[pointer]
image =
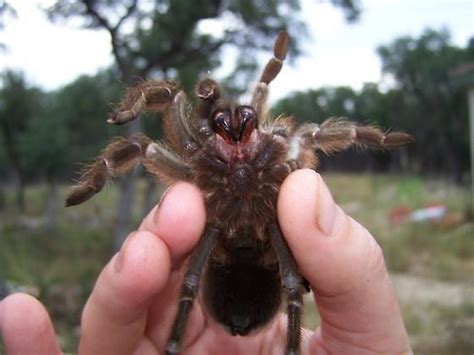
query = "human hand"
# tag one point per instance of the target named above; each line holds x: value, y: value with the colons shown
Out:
x: 133, y: 303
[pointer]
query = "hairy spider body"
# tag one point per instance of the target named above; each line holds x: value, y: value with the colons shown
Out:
x: 238, y: 157
x: 243, y: 262
x: 248, y: 183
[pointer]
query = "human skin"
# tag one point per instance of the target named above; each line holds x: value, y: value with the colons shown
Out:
x: 132, y: 305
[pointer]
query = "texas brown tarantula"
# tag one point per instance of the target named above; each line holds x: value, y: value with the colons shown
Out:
x: 238, y: 157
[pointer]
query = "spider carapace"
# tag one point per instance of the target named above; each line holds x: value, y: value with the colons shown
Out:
x: 238, y: 156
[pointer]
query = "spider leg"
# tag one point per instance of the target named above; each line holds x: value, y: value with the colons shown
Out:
x: 165, y: 164
x: 178, y: 130
x: 121, y: 156
x: 150, y: 95
x: 190, y: 288
x: 273, y: 67
x: 280, y: 171
x: 163, y: 97
x: 335, y: 135
x: 294, y: 285
x: 208, y: 91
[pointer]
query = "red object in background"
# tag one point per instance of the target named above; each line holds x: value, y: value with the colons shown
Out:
x: 399, y: 214
x: 434, y: 212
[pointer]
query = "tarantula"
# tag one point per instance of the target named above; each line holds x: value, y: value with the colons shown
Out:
x: 238, y: 156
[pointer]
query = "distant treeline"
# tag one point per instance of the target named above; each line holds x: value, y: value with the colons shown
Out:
x: 424, y: 99
x: 45, y: 135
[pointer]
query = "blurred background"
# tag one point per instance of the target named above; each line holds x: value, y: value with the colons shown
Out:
x: 401, y: 64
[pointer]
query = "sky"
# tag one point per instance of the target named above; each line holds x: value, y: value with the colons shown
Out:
x: 336, y: 53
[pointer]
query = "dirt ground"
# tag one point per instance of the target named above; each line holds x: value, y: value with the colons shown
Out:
x: 439, y: 314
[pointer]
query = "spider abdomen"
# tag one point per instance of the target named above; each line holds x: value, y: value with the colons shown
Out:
x: 247, y: 298
x: 248, y: 294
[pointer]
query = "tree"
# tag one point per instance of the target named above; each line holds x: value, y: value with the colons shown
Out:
x: 76, y: 129
x: 82, y: 106
x: 431, y: 106
x: 43, y: 147
x: 6, y: 11
x: 321, y: 104
x: 18, y: 104
x: 58, y: 130
x: 3, y: 168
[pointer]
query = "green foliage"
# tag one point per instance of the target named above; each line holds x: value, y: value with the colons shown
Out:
x: 82, y: 108
x: 45, y: 133
x: 433, y: 107
x: 44, y: 143
x: 17, y: 105
x: 317, y: 105
x: 351, y: 8
x: 6, y: 11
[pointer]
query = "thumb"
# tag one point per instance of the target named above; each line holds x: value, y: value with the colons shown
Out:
x: 344, y: 266
x: 333, y: 251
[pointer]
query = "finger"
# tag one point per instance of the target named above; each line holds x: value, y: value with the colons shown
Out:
x: 115, y: 315
x: 26, y: 327
x: 344, y: 266
x: 321, y: 236
x: 178, y: 220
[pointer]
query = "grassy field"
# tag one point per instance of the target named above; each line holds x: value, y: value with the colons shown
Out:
x: 432, y: 265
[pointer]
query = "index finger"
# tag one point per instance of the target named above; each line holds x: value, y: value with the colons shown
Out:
x: 115, y: 315
x: 178, y: 220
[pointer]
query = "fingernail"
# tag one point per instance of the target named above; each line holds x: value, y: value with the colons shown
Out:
x: 120, y: 256
x: 162, y: 200
x: 328, y: 210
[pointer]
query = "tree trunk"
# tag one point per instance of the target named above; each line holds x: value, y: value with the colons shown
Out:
x: 20, y: 191
x: 2, y: 198
x: 126, y: 199
x: 404, y: 160
x: 52, y: 203
x: 3, y: 288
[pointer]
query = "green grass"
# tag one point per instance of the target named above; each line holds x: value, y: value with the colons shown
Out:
x: 424, y: 249
x: 60, y: 266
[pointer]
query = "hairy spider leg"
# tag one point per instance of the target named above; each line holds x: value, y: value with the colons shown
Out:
x: 178, y: 129
x: 294, y: 287
x: 273, y: 67
x: 119, y: 156
x: 122, y: 155
x: 208, y: 92
x: 335, y: 135
x: 162, y: 97
x: 149, y: 95
x: 190, y: 287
